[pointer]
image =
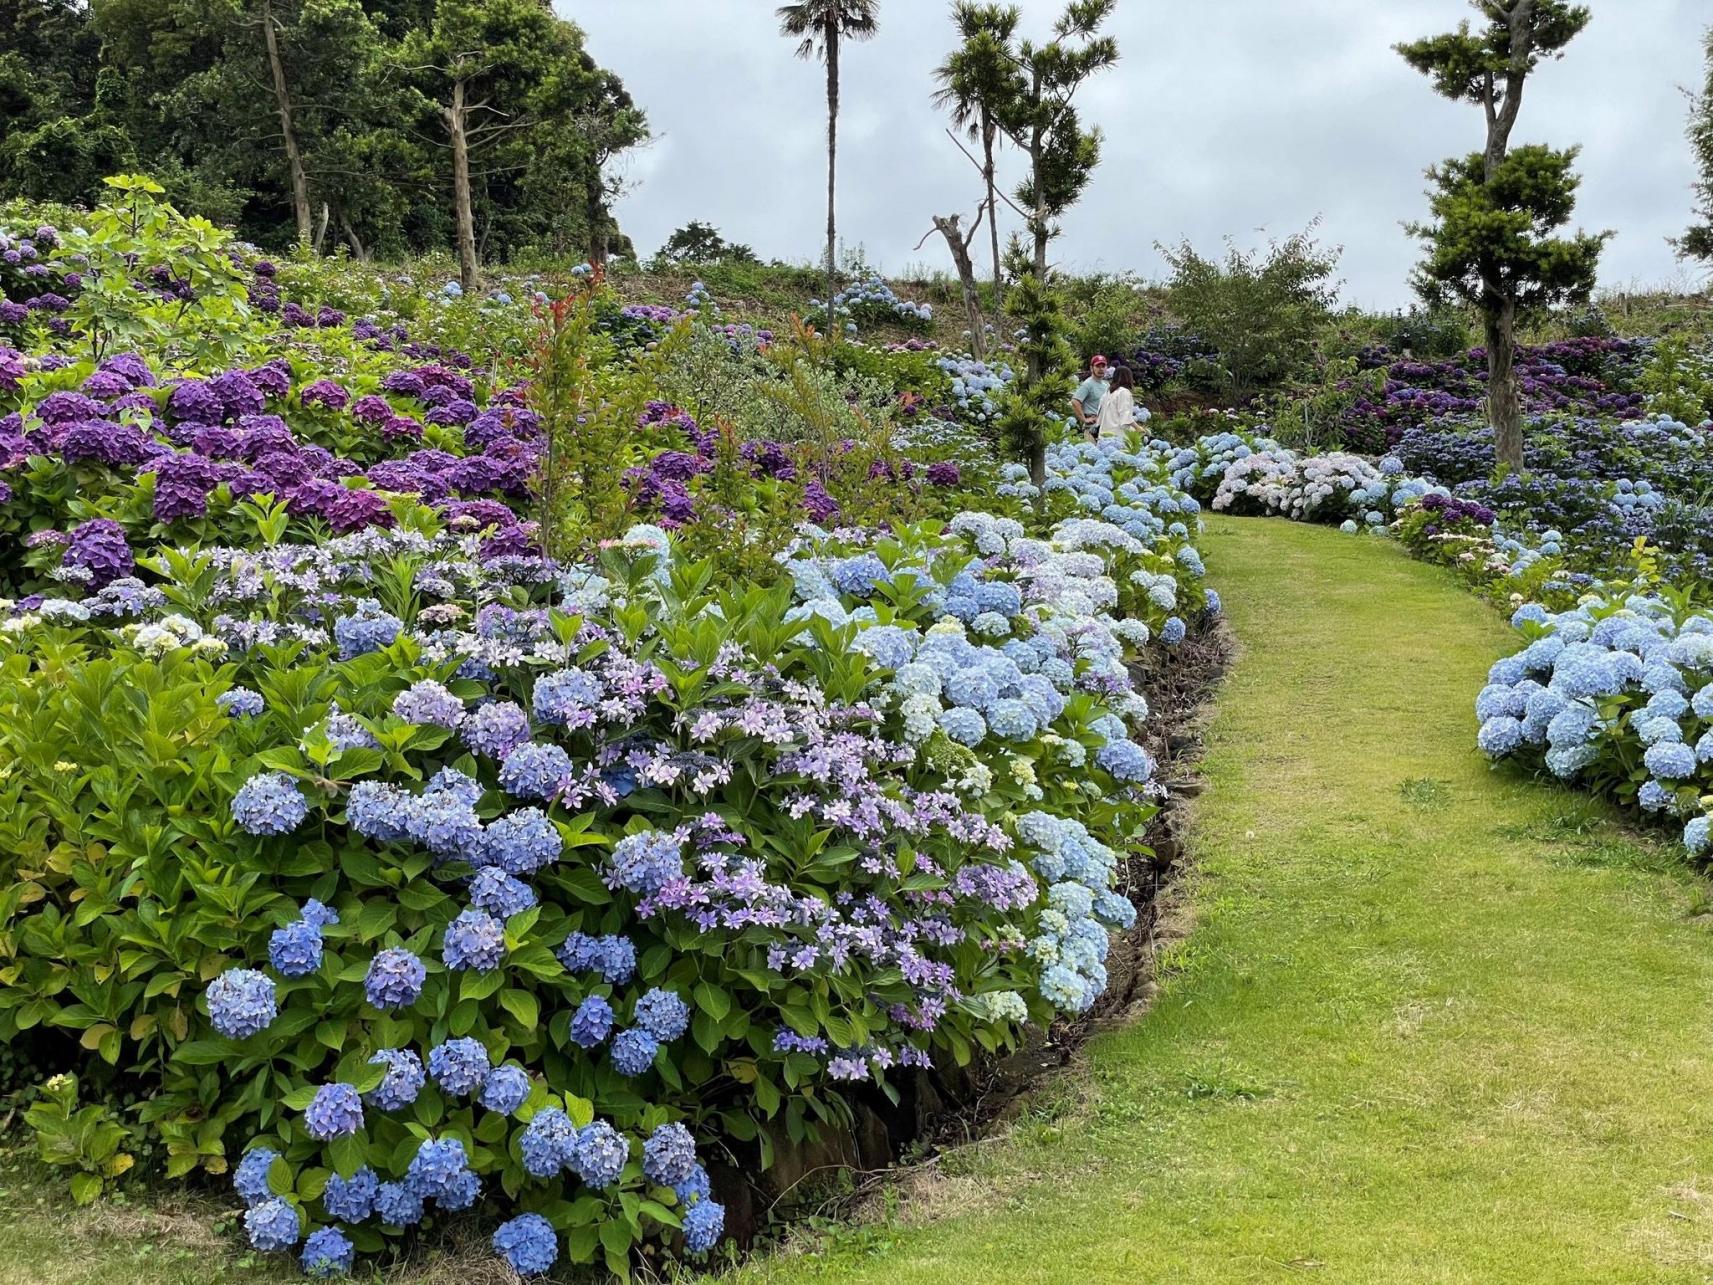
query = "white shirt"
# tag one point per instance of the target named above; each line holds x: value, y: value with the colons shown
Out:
x: 1117, y: 414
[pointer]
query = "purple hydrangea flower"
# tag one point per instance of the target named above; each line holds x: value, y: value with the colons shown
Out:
x: 99, y: 548
x: 535, y: 771
x: 496, y: 729
x: 429, y: 704
x: 521, y: 842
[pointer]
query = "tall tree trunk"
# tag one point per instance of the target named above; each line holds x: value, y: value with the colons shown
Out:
x: 1504, y: 403
x: 959, y: 245
x: 282, y: 102
x: 468, y: 268
x: 355, y: 241
x: 989, y: 139
x: 596, y: 214
x: 1037, y: 152
x: 832, y: 37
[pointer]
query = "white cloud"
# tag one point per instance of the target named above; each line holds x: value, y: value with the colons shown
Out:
x: 1222, y: 117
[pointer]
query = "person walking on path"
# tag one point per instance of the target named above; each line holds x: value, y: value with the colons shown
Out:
x: 1117, y: 415
x: 1085, y: 402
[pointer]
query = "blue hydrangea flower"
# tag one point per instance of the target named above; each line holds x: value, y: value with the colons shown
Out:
x: 273, y: 1225
x: 328, y: 1253
x: 242, y: 1003
x: 505, y: 1089
x: 474, y: 940
x: 521, y: 842
x: 535, y: 771
x: 377, y: 811
x: 547, y: 1143
x: 528, y: 1243
x: 337, y: 1110
x: 449, y: 780
x: 446, y: 825
x: 1696, y: 836
x: 437, y: 1163
x: 965, y: 726
x: 1174, y: 631
x: 633, y: 1051
x: 502, y: 896
x: 459, y: 1066
x: 395, y: 979
x: 1126, y: 760
x: 461, y: 1191
x: 1500, y: 736
x: 397, y: 1205
x: 613, y: 957
x: 668, y: 1155
x: 369, y: 630
x: 693, y: 1186
x: 241, y: 702
x: 704, y: 1224
x: 600, y: 1155
x: 663, y: 1015
x: 1670, y: 761
x: 295, y: 950
x: 567, y: 698
x: 645, y: 862
x: 403, y: 1081
x: 250, y: 1178
x: 1012, y: 719
x: 592, y: 1022
x: 351, y: 1199
x: 317, y: 915
x: 269, y: 803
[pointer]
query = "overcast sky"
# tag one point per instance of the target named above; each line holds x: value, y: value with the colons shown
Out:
x: 1223, y: 117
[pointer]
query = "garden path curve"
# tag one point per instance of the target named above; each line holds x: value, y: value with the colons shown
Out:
x: 1432, y: 1022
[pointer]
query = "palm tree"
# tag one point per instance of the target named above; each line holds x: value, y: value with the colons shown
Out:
x: 822, y: 26
x: 975, y: 81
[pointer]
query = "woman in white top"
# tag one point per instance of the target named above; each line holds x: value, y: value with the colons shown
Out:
x: 1118, y: 408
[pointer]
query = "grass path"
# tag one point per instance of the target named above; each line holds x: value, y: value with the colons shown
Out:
x: 1433, y: 1022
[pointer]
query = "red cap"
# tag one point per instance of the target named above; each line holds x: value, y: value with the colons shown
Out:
x: 1098, y: 360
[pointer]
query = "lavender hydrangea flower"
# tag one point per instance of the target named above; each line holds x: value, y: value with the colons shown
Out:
x: 633, y: 1051
x: 529, y: 1243
x: 663, y: 1015
x: 668, y: 1155
x: 269, y: 803
x: 403, y: 1081
x: 429, y: 704
x: 336, y: 1111
x: 242, y: 1003
x: 567, y: 698
x: 613, y: 957
x: 459, y: 1066
x: 327, y: 1253
x: 496, y: 729
x: 474, y: 940
x: 273, y: 1225
x: 395, y: 979
x: 250, y: 1178
x: 600, y: 1156
x: 521, y: 842
x: 351, y: 1199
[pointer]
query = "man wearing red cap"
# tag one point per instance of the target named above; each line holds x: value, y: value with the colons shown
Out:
x: 1085, y: 402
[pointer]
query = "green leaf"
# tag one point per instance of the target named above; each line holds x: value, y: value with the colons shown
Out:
x: 300, y: 1098
x: 523, y: 1006
x: 279, y: 1177
x: 85, y: 1187
x: 713, y: 1001
x: 348, y: 1153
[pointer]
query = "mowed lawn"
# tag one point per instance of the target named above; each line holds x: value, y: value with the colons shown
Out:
x: 1432, y: 1022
